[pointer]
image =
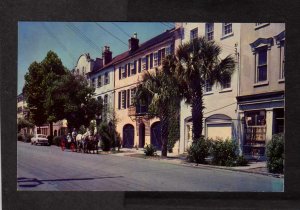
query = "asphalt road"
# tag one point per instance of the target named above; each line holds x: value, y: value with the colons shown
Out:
x: 42, y: 168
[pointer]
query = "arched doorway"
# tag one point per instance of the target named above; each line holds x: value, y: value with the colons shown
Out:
x: 128, y: 136
x: 55, y: 132
x: 142, y: 135
x: 156, y: 135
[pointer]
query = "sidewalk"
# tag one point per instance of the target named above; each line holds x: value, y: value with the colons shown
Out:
x: 173, y: 158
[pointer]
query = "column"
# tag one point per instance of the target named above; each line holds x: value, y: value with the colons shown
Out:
x: 269, y: 124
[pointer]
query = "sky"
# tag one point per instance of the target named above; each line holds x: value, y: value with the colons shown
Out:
x: 69, y: 40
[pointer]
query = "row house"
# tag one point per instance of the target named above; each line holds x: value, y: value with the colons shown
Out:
x: 262, y: 85
x: 102, y: 79
x: 135, y: 127
x: 220, y: 113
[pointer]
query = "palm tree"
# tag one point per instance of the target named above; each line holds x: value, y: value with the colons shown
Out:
x: 160, y: 89
x: 198, y: 63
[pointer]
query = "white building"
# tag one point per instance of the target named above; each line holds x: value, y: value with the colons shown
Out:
x: 220, y: 113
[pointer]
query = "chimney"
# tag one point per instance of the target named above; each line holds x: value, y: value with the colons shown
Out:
x: 133, y: 42
x: 106, y: 55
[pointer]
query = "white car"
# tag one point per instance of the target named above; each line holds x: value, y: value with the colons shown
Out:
x: 39, y: 139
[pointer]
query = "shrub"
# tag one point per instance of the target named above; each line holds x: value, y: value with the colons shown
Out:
x: 56, y: 140
x: 150, y: 150
x: 20, y: 137
x: 223, y: 152
x: 241, y: 161
x: 110, y: 138
x: 275, y: 154
x: 28, y: 137
x: 198, y: 151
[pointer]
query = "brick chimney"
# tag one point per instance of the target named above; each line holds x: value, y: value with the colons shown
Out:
x: 106, y: 55
x: 133, y: 42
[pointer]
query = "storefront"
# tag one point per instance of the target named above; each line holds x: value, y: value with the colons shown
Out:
x: 262, y: 115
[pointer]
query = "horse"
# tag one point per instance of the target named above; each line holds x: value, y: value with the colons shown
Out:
x: 80, y: 142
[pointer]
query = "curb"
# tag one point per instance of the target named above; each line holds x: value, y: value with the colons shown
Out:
x: 187, y: 164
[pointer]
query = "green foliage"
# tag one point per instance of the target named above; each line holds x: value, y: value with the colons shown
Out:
x: 223, y: 152
x: 198, y: 151
x: 150, y: 150
x: 275, y: 154
x: 241, y: 161
x: 23, y: 123
x: 20, y: 137
x: 199, y: 61
x: 110, y: 138
x: 56, y: 140
x: 174, y: 126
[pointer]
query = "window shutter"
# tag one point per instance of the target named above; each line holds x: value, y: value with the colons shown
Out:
x: 163, y: 53
x: 128, y: 69
x: 147, y: 61
x: 119, y: 100
x: 128, y: 97
x: 135, y: 66
x: 140, y: 65
x: 125, y: 99
x: 120, y: 73
x: 172, y: 49
x: 151, y: 60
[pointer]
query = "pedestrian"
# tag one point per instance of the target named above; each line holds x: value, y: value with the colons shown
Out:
x: 69, y: 138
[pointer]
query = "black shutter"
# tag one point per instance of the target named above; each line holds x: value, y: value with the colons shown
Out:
x: 163, y: 53
x: 151, y: 60
x: 134, y: 66
x: 128, y: 69
x: 147, y: 61
x: 119, y: 100
x: 124, y: 99
x: 120, y: 72
x: 140, y: 65
x: 125, y: 68
x: 128, y: 97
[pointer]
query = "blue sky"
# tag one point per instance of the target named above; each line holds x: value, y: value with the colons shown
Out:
x: 71, y: 39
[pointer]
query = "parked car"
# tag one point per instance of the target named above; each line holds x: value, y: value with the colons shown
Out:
x: 40, y: 139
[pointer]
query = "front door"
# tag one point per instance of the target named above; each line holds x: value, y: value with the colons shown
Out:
x: 142, y: 135
x: 128, y: 136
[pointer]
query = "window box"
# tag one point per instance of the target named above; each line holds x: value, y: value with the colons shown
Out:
x: 281, y: 80
x: 225, y: 90
x: 227, y: 35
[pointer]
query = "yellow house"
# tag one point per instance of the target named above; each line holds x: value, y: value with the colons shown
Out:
x: 135, y: 128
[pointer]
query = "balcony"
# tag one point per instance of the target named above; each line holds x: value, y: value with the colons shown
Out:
x: 139, y: 110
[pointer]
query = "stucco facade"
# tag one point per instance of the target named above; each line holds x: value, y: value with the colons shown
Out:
x: 261, y: 100
x: 135, y: 128
x: 220, y: 113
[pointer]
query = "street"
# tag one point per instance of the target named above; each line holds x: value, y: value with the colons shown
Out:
x: 43, y: 168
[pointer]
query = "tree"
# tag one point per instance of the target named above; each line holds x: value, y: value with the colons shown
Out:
x: 199, y: 62
x: 161, y: 89
x: 38, y: 89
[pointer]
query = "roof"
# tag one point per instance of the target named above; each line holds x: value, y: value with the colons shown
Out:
x: 155, y: 40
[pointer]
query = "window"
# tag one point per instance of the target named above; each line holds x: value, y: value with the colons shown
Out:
x: 168, y: 50
x: 132, y: 95
x: 226, y: 84
x: 133, y: 68
x: 159, y: 57
x: 123, y: 72
x: 99, y: 81
x: 163, y: 53
x: 255, y: 118
x: 123, y: 99
x: 282, y: 59
x: 99, y: 98
x: 144, y: 63
x: 20, y: 109
x: 207, y: 87
x: 194, y: 34
x: 106, y: 78
x: 155, y: 59
x: 182, y: 33
x: 261, y: 69
x: 209, y: 31
x: 227, y: 28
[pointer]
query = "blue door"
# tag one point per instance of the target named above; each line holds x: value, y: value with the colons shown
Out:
x: 128, y: 136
